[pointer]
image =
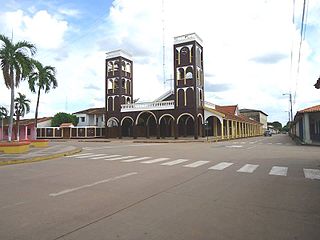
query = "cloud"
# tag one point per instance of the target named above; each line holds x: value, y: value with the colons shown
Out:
x: 270, y: 58
x: 69, y: 12
x: 92, y: 87
x: 219, y: 87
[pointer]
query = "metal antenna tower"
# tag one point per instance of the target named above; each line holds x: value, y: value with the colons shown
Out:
x: 163, y: 47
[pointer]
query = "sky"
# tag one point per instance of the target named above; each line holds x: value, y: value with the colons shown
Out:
x: 247, y: 44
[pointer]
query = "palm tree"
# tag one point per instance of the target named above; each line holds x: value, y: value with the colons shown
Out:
x: 22, y: 106
x: 3, y: 115
x: 16, y: 65
x: 42, y: 78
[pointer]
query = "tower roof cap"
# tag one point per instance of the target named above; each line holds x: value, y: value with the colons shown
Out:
x: 118, y: 53
x: 187, y: 38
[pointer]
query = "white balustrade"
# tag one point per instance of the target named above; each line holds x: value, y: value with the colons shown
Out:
x: 131, y: 107
x: 209, y: 105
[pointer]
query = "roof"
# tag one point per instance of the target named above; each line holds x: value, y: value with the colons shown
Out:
x: 315, y: 108
x: 229, y: 112
x: 92, y: 111
x: 164, y: 96
x: 245, y: 110
x: 227, y: 109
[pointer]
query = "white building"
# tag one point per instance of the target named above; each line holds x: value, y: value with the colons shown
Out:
x: 91, y: 117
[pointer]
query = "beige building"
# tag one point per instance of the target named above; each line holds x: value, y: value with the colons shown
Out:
x: 256, y: 115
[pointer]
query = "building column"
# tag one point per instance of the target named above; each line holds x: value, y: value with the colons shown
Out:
x: 26, y: 133
x: 158, y: 131
x: 175, y: 129
x: 222, y: 130
x: 196, y: 132
x: 120, y: 131
x: 306, y: 128
x: 228, y: 130
x: 134, y: 131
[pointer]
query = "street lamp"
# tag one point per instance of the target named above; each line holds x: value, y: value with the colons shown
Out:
x: 290, y: 100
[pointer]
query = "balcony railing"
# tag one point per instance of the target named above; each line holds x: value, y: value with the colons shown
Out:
x: 131, y: 107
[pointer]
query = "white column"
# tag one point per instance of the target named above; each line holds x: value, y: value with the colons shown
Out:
x: 306, y: 128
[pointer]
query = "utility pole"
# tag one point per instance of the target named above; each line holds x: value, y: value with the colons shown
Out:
x: 290, y: 100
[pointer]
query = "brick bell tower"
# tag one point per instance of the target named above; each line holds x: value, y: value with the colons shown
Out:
x: 119, y: 71
x: 189, y: 79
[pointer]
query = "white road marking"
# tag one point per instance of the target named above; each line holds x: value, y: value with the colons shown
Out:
x: 91, y: 185
x: 119, y: 158
x: 311, y: 173
x: 107, y: 156
x: 174, y: 162
x: 122, y: 146
x: 279, y: 143
x: 251, y: 147
x: 156, y: 160
x: 89, y: 156
x: 196, y: 164
x: 12, y: 205
x: 136, y: 159
x: 221, y: 166
x: 269, y: 143
x: 278, y: 171
x: 248, y: 168
x: 234, y: 146
x: 76, y: 155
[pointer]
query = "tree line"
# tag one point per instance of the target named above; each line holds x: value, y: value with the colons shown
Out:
x: 18, y: 64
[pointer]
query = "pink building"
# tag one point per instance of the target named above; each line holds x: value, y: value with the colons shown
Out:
x: 26, y: 128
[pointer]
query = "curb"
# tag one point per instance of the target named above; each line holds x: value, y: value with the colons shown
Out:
x: 38, y: 159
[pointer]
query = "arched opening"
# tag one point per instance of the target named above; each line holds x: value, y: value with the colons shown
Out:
x: 166, y: 126
x: 116, y: 103
x: 128, y: 85
x: 112, y: 125
x: 180, y: 74
x: 180, y: 97
x: 190, y: 97
x: 127, y: 127
x: 110, y: 104
x: 200, y: 125
x: 185, y: 125
x: 214, y: 127
x: 185, y: 56
x: 146, y: 125
x: 189, y: 73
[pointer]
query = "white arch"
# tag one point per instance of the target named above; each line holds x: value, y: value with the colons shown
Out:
x: 125, y: 118
x: 167, y: 114
x: 113, y: 119
x: 183, y: 115
x: 201, y: 117
x: 144, y: 112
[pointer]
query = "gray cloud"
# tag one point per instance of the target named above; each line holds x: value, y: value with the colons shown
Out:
x: 270, y: 58
x: 219, y: 87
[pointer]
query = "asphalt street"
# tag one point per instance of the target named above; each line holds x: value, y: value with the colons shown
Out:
x: 253, y: 188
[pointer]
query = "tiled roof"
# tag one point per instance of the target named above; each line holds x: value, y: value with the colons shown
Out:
x: 310, y: 109
x: 227, y: 109
x: 26, y: 122
x: 92, y: 111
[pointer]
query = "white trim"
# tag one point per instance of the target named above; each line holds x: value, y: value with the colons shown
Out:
x: 188, y: 114
x: 136, y: 123
x: 167, y: 114
x: 125, y: 118
x: 201, y: 117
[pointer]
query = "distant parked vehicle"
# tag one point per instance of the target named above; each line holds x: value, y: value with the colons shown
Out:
x: 267, y: 133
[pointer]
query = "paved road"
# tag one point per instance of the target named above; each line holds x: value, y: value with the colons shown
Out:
x: 256, y: 188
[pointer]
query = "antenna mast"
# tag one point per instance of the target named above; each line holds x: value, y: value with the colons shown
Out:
x: 163, y: 47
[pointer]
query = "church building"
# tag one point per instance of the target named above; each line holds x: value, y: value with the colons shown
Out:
x: 178, y: 113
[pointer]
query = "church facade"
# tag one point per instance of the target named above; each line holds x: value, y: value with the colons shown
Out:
x: 181, y: 112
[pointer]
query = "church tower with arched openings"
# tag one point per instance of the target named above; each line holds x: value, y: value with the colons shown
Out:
x: 189, y: 82
x: 119, y: 85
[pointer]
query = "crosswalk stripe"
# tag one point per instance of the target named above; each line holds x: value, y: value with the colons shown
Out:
x: 89, y: 156
x: 118, y: 158
x: 76, y: 155
x: 311, y: 173
x: 106, y: 156
x: 156, y: 160
x: 248, y: 168
x: 278, y: 171
x: 196, y: 164
x: 174, y: 162
x: 221, y: 166
x: 136, y: 159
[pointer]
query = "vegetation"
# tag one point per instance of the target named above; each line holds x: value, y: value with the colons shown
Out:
x: 3, y: 115
x: 16, y: 65
x: 62, y: 117
x: 41, y: 78
x: 22, y: 106
x: 276, y: 125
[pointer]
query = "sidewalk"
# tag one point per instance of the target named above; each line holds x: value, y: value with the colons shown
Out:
x: 55, y: 150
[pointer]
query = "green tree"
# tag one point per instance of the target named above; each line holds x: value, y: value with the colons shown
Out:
x: 16, y: 65
x: 41, y: 78
x: 22, y: 106
x: 277, y: 125
x: 3, y: 115
x: 62, y: 117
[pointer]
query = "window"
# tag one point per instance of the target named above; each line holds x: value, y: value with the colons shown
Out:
x: 83, y: 119
x: 28, y: 131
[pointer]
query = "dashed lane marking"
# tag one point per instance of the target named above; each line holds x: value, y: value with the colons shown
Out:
x: 87, y: 156
x: 156, y: 160
x: 248, y: 168
x: 107, y: 156
x: 174, y: 162
x: 196, y: 164
x: 278, y: 171
x: 221, y: 166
